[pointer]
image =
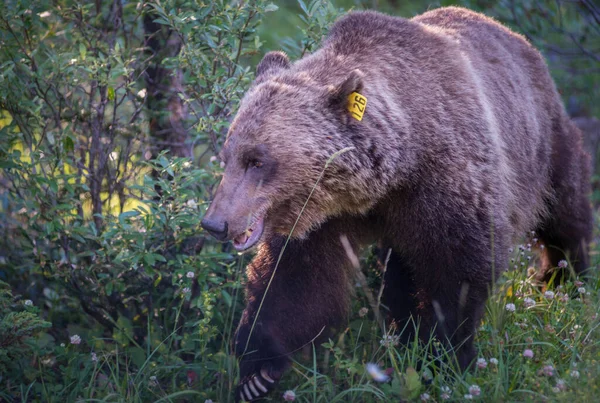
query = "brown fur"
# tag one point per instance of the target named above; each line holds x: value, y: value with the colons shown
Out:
x: 464, y: 146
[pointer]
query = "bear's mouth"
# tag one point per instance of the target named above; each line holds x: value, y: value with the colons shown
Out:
x: 250, y: 236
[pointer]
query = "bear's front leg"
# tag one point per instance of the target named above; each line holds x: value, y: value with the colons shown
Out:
x: 291, y: 304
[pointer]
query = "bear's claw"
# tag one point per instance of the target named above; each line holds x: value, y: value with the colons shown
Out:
x: 255, y: 386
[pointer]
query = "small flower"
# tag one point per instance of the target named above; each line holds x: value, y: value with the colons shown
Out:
x: 548, y: 370
x: 28, y: 302
x: 376, y: 373
x: 213, y: 158
x: 564, y: 298
x: 363, y: 312
x: 94, y: 357
x: 191, y: 203
x: 581, y: 290
x: 425, y: 397
x: 563, y: 264
x: 468, y: 397
x: 75, y: 339
x: 578, y: 283
x: 152, y: 381
x: 481, y: 363
x: 446, y: 392
x: 474, y: 390
x: 186, y: 290
x: 561, y: 385
x: 390, y: 340
x: 529, y: 302
x: 208, y: 401
x: 528, y: 353
x: 531, y: 271
x: 190, y: 274
x: 510, y: 307
x: 62, y: 344
x: 494, y: 361
x: 549, y: 294
x: 142, y: 93
x: 289, y: 396
x: 222, y: 164
x: 575, y: 374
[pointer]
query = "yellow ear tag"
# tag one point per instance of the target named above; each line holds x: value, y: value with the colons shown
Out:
x: 357, y: 104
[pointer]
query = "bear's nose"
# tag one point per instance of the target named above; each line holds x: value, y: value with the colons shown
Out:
x: 215, y: 228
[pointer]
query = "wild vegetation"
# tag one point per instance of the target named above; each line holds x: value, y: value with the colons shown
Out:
x: 111, y: 115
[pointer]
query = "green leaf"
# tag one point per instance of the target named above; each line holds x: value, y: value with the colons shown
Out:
x: 111, y: 93
x: 128, y: 214
x: 271, y: 7
x: 109, y: 288
x: 226, y: 297
x: 411, y: 384
x: 149, y: 259
x: 138, y: 356
x: 158, y: 257
x: 68, y: 144
x: 82, y: 51
x: 158, y: 279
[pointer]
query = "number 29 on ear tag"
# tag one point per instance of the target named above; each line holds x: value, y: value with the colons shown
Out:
x: 357, y: 104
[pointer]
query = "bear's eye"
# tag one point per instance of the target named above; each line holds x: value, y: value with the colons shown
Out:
x: 254, y: 163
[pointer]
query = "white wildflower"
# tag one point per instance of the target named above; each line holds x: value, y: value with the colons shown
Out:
x: 376, y: 373
x: 529, y: 302
x: 289, y: 396
x: 474, y: 390
x: 390, y: 340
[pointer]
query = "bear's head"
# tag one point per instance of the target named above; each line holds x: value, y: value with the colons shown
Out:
x: 289, y: 125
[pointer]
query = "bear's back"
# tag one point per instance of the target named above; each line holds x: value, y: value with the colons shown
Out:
x: 469, y: 85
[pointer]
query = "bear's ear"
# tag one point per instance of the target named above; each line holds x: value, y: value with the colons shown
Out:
x: 271, y: 64
x: 338, y: 98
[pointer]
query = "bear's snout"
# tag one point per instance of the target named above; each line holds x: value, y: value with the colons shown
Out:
x: 215, y: 227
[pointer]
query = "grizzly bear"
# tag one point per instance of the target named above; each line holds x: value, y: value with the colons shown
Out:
x: 442, y: 138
